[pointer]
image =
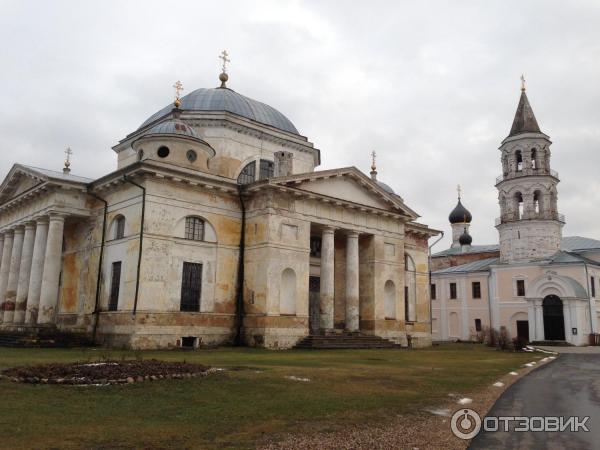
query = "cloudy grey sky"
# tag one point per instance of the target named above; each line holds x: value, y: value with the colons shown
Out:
x: 432, y: 86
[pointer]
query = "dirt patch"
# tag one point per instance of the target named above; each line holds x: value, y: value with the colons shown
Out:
x: 105, y: 372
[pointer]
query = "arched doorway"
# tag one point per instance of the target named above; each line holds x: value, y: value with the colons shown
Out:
x: 554, y: 322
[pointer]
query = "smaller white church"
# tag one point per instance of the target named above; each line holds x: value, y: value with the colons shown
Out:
x: 537, y: 284
x: 214, y: 228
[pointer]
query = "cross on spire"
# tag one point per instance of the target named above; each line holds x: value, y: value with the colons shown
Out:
x: 68, y: 153
x: 522, y: 82
x: 459, y: 190
x: 178, y: 86
x: 225, y: 57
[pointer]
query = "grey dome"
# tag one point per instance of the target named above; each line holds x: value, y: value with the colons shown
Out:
x: 465, y: 238
x: 385, y: 187
x: 224, y: 99
x: 173, y: 127
x: 460, y: 214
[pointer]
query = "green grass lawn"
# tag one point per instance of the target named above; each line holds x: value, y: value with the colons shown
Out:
x: 239, y: 406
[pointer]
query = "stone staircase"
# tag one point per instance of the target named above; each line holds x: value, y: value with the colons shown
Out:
x: 43, y: 338
x: 344, y: 341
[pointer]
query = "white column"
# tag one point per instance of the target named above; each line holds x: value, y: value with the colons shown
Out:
x: 24, y: 272
x: 531, y: 320
x: 539, y: 321
x: 1, y: 247
x: 13, y: 275
x: 37, y: 268
x: 352, y: 306
x: 327, y: 279
x: 51, y: 275
x: 5, y: 268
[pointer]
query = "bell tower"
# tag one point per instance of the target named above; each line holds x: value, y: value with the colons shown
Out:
x: 529, y: 224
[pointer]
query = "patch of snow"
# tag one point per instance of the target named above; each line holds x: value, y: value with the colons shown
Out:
x: 465, y: 401
x: 498, y: 384
x: 215, y: 369
x: 528, y: 365
x: 293, y: 378
x: 513, y: 373
x: 438, y: 411
x: 552, y: 357
x: 451, y: 394
x: 544, y: 359
x: 100, y: 364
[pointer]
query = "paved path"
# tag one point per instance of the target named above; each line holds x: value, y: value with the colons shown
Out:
x: 569, y: 386
x: 588, y: 350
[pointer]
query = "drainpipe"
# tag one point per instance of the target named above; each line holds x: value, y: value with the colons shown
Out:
x: 239, y: 304
x: 100, y: 259
x: 139, y: 263
x: 430, y: 300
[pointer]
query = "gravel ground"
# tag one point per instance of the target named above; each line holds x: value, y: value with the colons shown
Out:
x: 423, y: 430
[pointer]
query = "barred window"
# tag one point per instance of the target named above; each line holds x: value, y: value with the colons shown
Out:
x: 191, y: 284
x: 119, y: 227
x: 247, y: 174
x: 267, y: 169
x: 194, y: 228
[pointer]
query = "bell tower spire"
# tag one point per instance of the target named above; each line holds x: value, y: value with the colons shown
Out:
x: 529, y: 225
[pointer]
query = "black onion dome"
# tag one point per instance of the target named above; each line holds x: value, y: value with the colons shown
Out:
x: 465, y: 238
x: 460, y: 214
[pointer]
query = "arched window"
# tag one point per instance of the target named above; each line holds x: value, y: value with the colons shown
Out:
x: 533, y: 158
x: 287, y: 293
x: 194, y: 228
x: 410, y: 288
x: 390, y: 299
x: 519, y: 206
x: 119, y: 227
x: 248, y: 174
x: 519, y: 160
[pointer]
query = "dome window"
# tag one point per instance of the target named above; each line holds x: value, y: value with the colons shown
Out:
x: 140, y: 154
x: 247, y: 174
x: 267, y: 169
x: 163, y: 152
x: 191, y: 156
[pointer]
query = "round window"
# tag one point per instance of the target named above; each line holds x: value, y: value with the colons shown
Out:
x: 163, y: 152
x: 191, y: 155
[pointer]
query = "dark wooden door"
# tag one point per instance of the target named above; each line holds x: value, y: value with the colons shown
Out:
x: 314, y: 295
x: 523, y: 330
x: 554, y: 322
x: 191, y: 283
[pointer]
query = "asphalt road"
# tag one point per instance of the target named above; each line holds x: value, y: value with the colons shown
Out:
x: 569, y: 386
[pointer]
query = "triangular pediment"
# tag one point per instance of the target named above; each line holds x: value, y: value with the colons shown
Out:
x: 21, y: 179
x: 348, y: 185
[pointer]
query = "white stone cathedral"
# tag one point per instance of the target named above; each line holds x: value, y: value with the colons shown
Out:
x: 537, y: 284
x: 213, y: 228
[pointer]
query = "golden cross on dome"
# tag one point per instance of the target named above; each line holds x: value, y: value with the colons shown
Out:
x: 459, y: 190
x: 225, y: 57
x: 178, y: 86
x: 68, y: 153
x: 523, y: 82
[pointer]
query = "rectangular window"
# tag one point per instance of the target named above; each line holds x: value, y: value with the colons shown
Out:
x: 406, y: 318
x: 477, y: 324
x: 593, y: 286
x: 267, y: 169
x: 191, y: 284
x: 476, y: 288
x: 433, y: 292
x: 315, y: 246
x: 115, y: 283
x: 521, y: 288
x: 453, y: 290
